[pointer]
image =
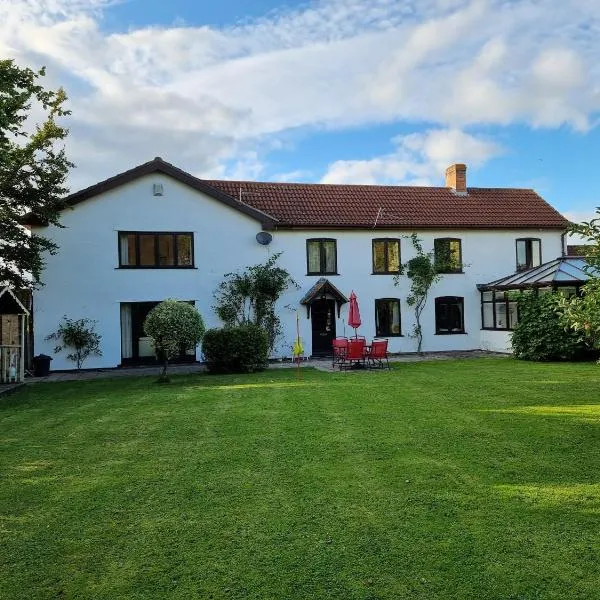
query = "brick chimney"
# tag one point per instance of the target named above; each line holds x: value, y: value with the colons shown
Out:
x: 456, y: 178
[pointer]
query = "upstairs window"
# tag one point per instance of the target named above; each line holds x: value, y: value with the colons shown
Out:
x: 448, y: 255
x: 449, y: 315
x: 139, y: 250
x: 529, y: 253
x: 387, y: 317
x: 321, y: 256
x: 386, y: 256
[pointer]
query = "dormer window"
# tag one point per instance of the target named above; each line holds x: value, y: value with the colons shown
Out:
x: 529, y: 253
x: 151, y: 250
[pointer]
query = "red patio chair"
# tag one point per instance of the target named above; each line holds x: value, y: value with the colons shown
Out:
x: 357, y: 351
x: 340, y: 349
x: 378, y: 354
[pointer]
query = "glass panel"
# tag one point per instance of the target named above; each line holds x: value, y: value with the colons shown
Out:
x: 521, y: 255
x: 184, y: 251
x: 501, y: 322
x: 330, y: 259
x: 455, y: 255
x: 500, y: 295
x: 147, y: 256
x: 166, y: 251
x: 379, y: 257
x: 513, y: 317
x: 393, y: 256
x: 314, y: 256
x: 127, y: 244
x: 488, y: 315
x: 487, y: 296
x: 395, y: 317
x: 567, y: 292
x: 536, y: 253
x: 456, y: 313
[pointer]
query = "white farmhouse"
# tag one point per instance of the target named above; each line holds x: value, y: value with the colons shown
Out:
x: 156, y: 232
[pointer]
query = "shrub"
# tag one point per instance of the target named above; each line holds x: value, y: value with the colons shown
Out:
x: 79, y: 336
x: 241, y: 349
x: 540, y: 333
x: 173, y: 327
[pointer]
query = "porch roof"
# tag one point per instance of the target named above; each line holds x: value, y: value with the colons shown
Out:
x: 322, y: 288
x: 10, y: 304
x: 562, y: 271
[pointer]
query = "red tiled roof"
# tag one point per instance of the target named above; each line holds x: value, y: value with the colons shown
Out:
x: 368, y: 206
x: 306, y: 205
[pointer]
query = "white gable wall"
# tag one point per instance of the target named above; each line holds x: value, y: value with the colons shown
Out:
x: 83, y: 279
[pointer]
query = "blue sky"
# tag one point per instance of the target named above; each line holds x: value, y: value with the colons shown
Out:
x: 349, y: 91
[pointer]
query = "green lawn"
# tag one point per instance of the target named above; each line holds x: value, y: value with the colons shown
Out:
x: 470, y: 479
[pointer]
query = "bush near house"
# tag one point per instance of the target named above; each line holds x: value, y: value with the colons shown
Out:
x: 241, y: 349
x: 173, y: 326
x: 541, y: 333
x: 78, y: 336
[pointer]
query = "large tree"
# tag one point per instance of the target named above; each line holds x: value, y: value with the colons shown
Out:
x: 33, y: 171
x: 582, y: 314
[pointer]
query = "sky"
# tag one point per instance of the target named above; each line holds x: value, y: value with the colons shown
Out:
x: 334, y: 91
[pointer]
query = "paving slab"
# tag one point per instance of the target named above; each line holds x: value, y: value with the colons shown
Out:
x: 322, y: 364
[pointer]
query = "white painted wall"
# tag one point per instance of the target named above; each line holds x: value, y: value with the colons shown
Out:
x: 83, y: 279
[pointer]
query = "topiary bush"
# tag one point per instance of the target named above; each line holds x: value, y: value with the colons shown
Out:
x: 540, y: 333
x: 241, y: 349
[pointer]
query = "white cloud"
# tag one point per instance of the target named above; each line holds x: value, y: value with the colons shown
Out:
x: 209, y: 98
x: 419, y: 159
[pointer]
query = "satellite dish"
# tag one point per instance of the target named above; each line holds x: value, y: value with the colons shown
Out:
x: 264, y: 238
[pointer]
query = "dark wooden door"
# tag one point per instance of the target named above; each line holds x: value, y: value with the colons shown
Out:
x: 323, y: 326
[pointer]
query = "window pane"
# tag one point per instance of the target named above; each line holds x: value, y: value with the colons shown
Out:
x: 127, y: 243
x: 455, y: 255
x: 501, y: 317
x: 329, y: 249
x: 513, y: 318
x: 147, y: 256
x: 536, y: 254
x: 521, y: 254
x: 387, y: 317
x: 488, y: 314
x: 314, y: 256
x: 487, y: 296
x: 184, y: 251
x: 166, y: 251
x: 395, y: 317
x: 449, y: 315
x: 393, y: 256
x: 379, y: 257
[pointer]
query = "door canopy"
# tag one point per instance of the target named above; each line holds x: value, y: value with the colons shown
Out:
x: 323, y: 290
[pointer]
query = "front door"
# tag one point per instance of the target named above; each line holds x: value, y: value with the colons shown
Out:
x: 323, y: 326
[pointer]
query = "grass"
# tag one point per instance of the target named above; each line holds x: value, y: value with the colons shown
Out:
x: 467, y: 479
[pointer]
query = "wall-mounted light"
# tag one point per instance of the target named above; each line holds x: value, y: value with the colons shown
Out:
x: 157, y: 189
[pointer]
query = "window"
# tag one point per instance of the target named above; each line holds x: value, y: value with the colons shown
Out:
x: 386, y: 256
x: 321, y: 257
x: 449, y: 315
x: 529, y: 253
x: 448, y: 255
x: 498, y: 311
x: 138, y: 250
x: 387, y: 317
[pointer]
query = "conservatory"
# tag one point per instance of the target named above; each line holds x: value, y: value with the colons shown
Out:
x: 13, y: 318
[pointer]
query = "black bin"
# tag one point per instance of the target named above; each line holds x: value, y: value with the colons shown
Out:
x: 41, y: 365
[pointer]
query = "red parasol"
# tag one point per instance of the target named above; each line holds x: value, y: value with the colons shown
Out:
x: 354, y: 314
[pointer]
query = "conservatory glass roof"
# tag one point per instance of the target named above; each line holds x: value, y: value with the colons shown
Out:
x: 563, y: 271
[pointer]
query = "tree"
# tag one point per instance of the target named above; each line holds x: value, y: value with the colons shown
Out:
x: 33, y: 171
x: 582, y: 313
x: 174, y: 327
x: 423, y: 273
x: 251, y: 296
x: 79, y: 336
